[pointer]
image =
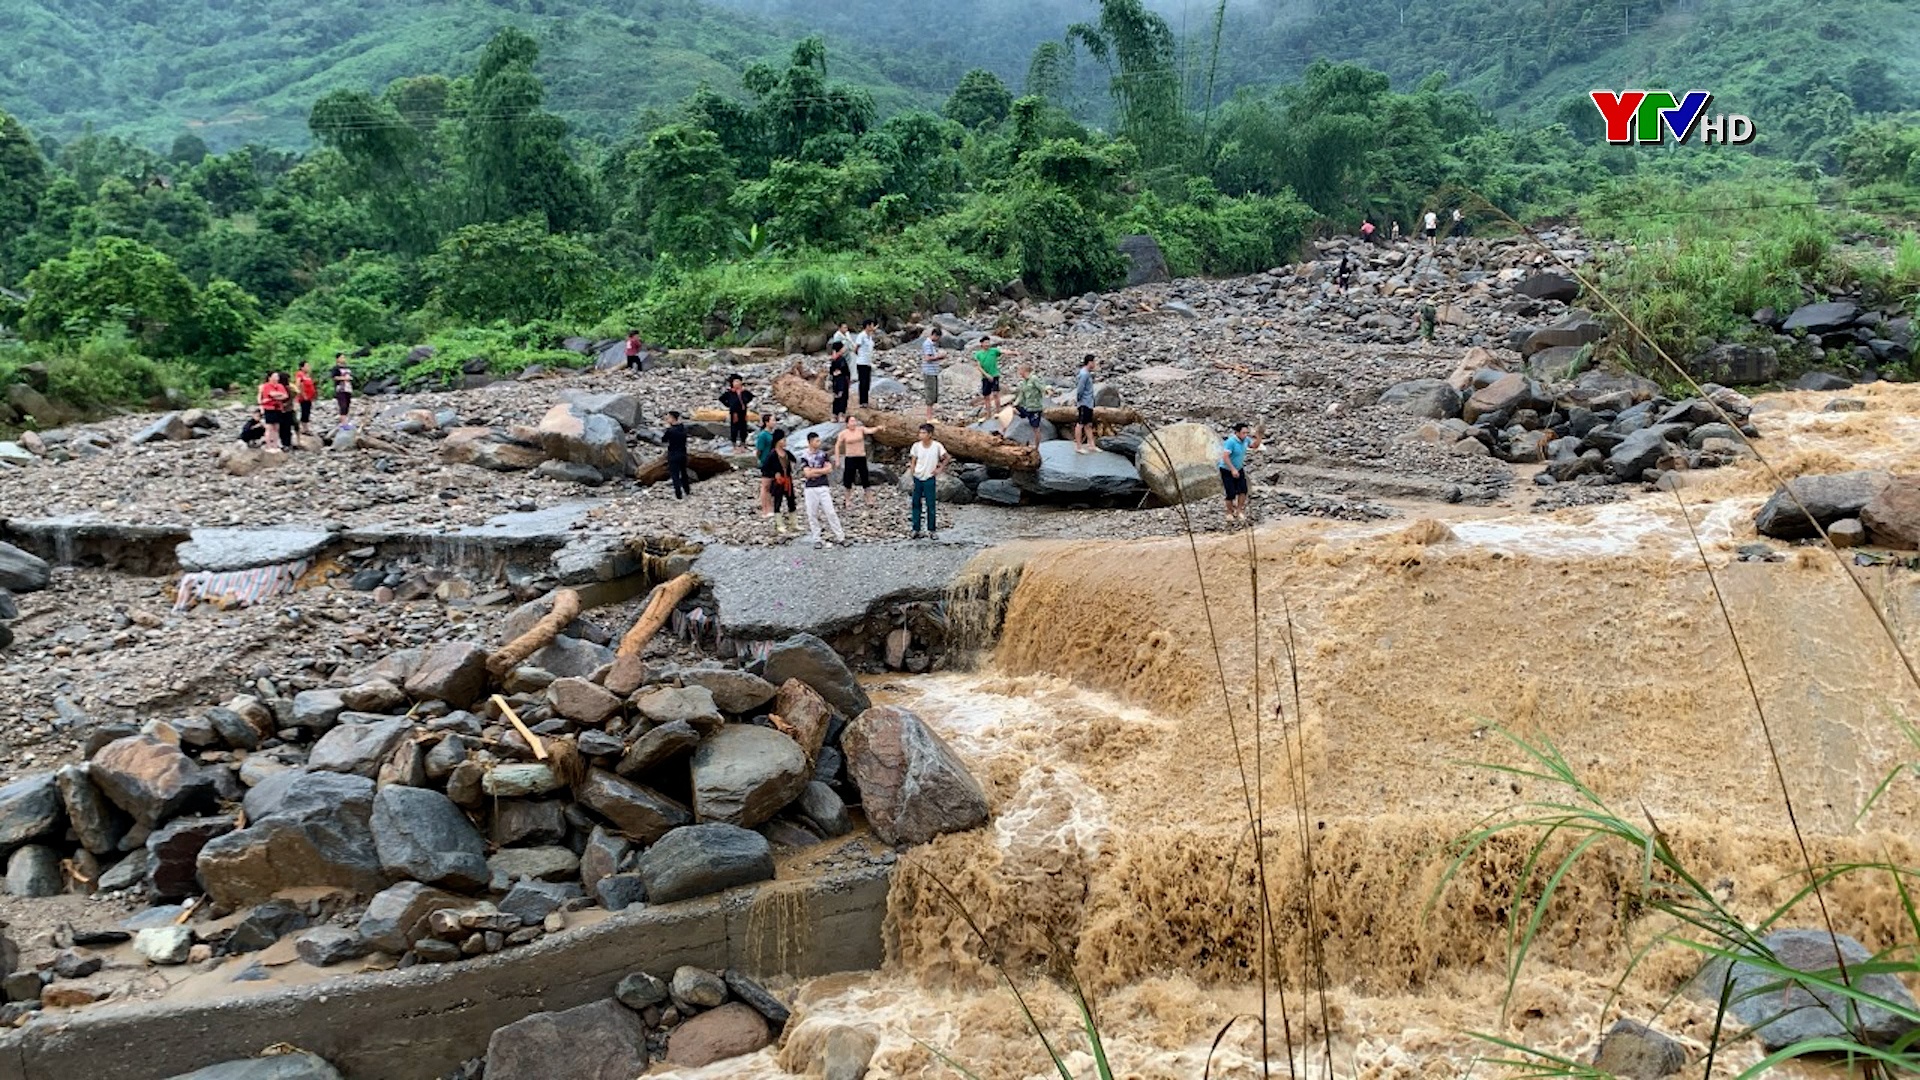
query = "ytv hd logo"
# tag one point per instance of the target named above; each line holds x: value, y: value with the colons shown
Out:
x: 1649, y: 116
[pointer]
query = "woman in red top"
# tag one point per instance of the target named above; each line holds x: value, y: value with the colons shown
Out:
x: 276, y: 403
x: 305, y: 391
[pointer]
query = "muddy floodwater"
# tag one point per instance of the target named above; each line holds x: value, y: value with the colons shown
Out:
x: 1140, y: 702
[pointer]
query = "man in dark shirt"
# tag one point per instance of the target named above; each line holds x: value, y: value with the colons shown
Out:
x: 675, y: 437
x: 736, y: 397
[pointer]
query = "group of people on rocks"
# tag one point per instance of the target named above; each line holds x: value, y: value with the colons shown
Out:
x: 284, y: 406
x: 1429, y: 228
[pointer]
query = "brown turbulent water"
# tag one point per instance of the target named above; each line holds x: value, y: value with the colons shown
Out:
x: 1130, y: 693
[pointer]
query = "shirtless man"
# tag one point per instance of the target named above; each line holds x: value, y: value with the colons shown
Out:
x: 851, y: 450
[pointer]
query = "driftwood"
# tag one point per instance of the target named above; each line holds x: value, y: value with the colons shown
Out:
x: 566, y: 608
x: 700, y: 464
x: 813, y: 404
x: 659, y: 609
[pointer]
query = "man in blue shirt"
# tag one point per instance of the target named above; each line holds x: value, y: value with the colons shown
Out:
x: 1083, y: 408
x: 1233, y: 469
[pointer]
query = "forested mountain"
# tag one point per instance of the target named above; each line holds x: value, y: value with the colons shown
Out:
x: 246, y: 71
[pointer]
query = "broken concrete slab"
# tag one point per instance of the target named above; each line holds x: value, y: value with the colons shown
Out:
x: 755, y: 604
x: 244, y: 549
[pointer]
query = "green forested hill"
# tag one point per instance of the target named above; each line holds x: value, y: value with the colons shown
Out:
x: 247, y: 71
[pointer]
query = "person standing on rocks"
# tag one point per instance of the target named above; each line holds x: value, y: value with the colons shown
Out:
x: 736, y: 398
x: 988, y: 357
x: 1432, y: 229
x: 930, y: 368
x: 276, y: 406
x: 1367, y: 230
x: 1233, y: 469
x: 305, y: 391
x: 762, y: 448
x: 342, y: 387
x: 1428, y: 318
x: 1343, y: 276
x: 1083, y: 407
x: 1396, y: 231
x: 675, y: 436
x: 633, y: 351
x: 1030, y: 401
x: 841, y: 337
x: 863, y: 360
x: 929, y: 460
x: 816, y: 467
x: 776, y: 476
x: 1459, y: 227
x: 850, y: 447
x: 840, y: 379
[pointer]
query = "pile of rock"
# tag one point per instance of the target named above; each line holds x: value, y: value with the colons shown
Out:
x: 689, y: 1019
x: 1854, y: 508
x: 1594, y: 428
x: 1843, y: 332
x: 464, y: 808
x: 586, y: 439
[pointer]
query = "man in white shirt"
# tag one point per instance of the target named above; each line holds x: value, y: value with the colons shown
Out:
x: 863, y: 360
x: 1433, y: 227
x: 929, y: 463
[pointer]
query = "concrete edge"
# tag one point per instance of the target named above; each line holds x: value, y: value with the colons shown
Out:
x: 422, y: 1022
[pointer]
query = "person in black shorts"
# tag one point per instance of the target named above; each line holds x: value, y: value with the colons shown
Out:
x: 850, y: 446
x: 342, y: 386
x: 737, y: 398
x: 777, y: 470
x: 675, y: 436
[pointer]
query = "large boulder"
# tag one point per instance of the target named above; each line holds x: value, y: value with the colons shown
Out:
x: 912, y: 785
x: 173, y: 855
x: 1434, y: 399
x: 359, y: 749
x: 1643, y: 449
x: 743, y: 775
x: 1504, y: 395
x: 638, y: 812
x: 813, y: 661
x: 730, y: 1031
x: 701, y: 859
x: 568, y: 433
x: 1783, y: 1011
x: 1892, y: 516
x: 1822, y: 318
x: 806, y: 713
x: 1575, y: 328
x: 1066, y: 473
x: 486, y: 448
x: 29, y: 809
x: 312, y: 829
x: 601, y: 1041
x: 419, y: 834
x: 1146, y: 263
x: 1181, y: 463
x: 1548, y: 285
x: 1736, y: 365
x: 1827, y: 498
x: 454, y: 672
x: 152, y: 780
x: 168, y: 428
x: 393, y: 912
x: 22, y: 571
x: 97, y: 823
x: 733, y: 691
x: 623, y: 409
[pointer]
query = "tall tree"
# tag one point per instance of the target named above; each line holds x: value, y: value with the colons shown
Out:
x: 516, y: 151
x: 1137, y: 47
x: 23, y: 177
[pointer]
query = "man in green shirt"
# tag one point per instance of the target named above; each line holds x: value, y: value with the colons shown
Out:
x: 1030, y: 401
x: 988, y: 357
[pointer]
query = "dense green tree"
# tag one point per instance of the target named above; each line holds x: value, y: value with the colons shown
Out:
x: 228, y: 182
x: 113, y: 282
x: 386, y: 162
x: 1137, y: 48
x: 981, y: 98
x: 23, y: 178
x: 686, y: 185
x: 514, y: 270
x: 516, y: 152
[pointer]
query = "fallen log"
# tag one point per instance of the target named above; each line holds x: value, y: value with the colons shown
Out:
x: 1102, y: 418
x: 700, y: 463
x: 658, y: 610
x: 814, y: 405
x: 566, y: 608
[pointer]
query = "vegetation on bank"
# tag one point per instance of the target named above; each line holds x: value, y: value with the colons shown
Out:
x: 462, y: 213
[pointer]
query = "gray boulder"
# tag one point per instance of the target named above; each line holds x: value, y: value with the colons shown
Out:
x: 1822, y: 318
x: 601, y: 1041
x: 534, y: 900
x: 295, y: 1066
x: 569, y: 433
x: 743, y: 775
x: 33, y: 871
x: 96, y: 821
x: 813, y: 661
x: 1827, y: 498
x: 659, y: 745
x: 317, y: 711
x: 1575, y: 328
x: 454, y: 672
x: 622, y: 409
x: 30, y: 808
x: 1548, y: 285
x: 1823, y: 381
x: 700, y: 859
x: 150, y: 779
x: 1065, y: 473
x: 1642, y: 449
x: 1146, y: 263
x: 420, y: 834
x: 1181, y: 463
x: 733, y: 691
x: 173, y: 855
x: 1784, y: 1011
x: 22, y: 572
x: 913, y: 787
x: 309, y: 829
x: 639, y: 813
x: 359, y: 749
x: 393, y: 912
x: 1434, y: 399
x: 167, y: 428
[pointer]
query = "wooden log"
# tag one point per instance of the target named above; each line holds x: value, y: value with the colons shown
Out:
x: 658, y: 610
x: 566, y: 608
x: 703, y: 466
x: 898, y: 429
x: 1067, y: 416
